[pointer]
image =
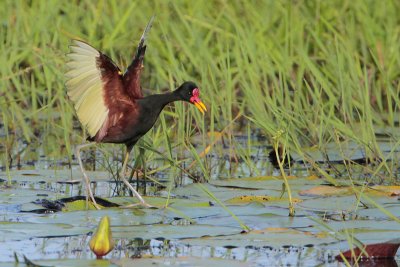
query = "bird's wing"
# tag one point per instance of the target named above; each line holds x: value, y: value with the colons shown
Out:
x: 132, y: 75
x: 94, y: 85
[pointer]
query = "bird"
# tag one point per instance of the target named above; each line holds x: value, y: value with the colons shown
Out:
x: 110, y: 104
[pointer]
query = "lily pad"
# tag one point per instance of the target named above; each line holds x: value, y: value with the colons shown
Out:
x: 257, y: 198
x: 169, y: 232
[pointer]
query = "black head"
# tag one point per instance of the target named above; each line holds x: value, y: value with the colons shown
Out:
x: 190, y: 92
x: 185, y: 91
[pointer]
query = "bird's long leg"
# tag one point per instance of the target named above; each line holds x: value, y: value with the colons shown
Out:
x: 137, y: 195
x: 143, y: 165
x: 85, y: 177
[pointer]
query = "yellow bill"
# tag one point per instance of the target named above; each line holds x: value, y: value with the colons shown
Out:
x: 200, y: 106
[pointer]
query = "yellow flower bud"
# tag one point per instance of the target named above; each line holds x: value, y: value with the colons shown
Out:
x: 102, y: 243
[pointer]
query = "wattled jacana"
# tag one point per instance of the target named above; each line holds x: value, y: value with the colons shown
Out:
x: 110, y: 104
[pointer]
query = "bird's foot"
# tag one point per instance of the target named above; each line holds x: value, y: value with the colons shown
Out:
x: 143, y: 204
x: 93, y: 202
x: 96, y: 206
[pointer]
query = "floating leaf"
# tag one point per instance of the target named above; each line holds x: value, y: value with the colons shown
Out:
x: 79, y: 205
x: 325, y: 190
x: 161, y: 201
x: 248, y: 199
x: 275, y: 230
x: 30, y: 263
x: 267, y: 178
x: 69, y: 204
x: 170, y: 231
x: 391, y: 191
x: 288, y: 230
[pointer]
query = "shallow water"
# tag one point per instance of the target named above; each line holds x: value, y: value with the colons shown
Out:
x: 195, y: 226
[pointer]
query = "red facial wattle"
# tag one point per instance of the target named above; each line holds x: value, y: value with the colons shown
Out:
x: 196, y: 100
x: 195, y: 95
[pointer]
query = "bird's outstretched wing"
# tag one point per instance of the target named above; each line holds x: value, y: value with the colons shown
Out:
x: 132, y: 75
x: 94, y: 85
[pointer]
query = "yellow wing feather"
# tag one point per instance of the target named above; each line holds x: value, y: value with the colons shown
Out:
x: 85, y: 86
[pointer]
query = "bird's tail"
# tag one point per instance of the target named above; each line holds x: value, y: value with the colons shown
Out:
x: 141, y: 47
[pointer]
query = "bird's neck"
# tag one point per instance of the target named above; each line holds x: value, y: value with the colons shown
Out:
x: 161, y: 100
x: 169, y: 97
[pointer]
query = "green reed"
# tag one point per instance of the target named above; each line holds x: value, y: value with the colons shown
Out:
x: 322, y: 71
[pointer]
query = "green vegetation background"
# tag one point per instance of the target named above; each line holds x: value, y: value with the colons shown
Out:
x: 308, y: 73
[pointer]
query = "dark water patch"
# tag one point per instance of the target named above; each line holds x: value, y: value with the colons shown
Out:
x: 52, y: 248
x: 224, y: 163
x: 197, y: 228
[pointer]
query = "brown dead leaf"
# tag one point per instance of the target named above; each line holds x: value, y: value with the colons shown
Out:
x: 325, y: 190
x: 312, y: 177
x: 391, y: 191
x: 248, y: 199
x: 377, y: 251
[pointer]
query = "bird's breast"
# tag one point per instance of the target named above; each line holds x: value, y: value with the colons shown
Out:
x: 131, y: 126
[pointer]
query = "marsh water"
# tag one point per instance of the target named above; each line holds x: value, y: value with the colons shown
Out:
x: 194, y: 225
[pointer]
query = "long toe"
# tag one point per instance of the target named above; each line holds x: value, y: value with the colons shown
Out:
x: 96, y: 206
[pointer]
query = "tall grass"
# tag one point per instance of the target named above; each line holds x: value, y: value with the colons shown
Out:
x: 316, y: 70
